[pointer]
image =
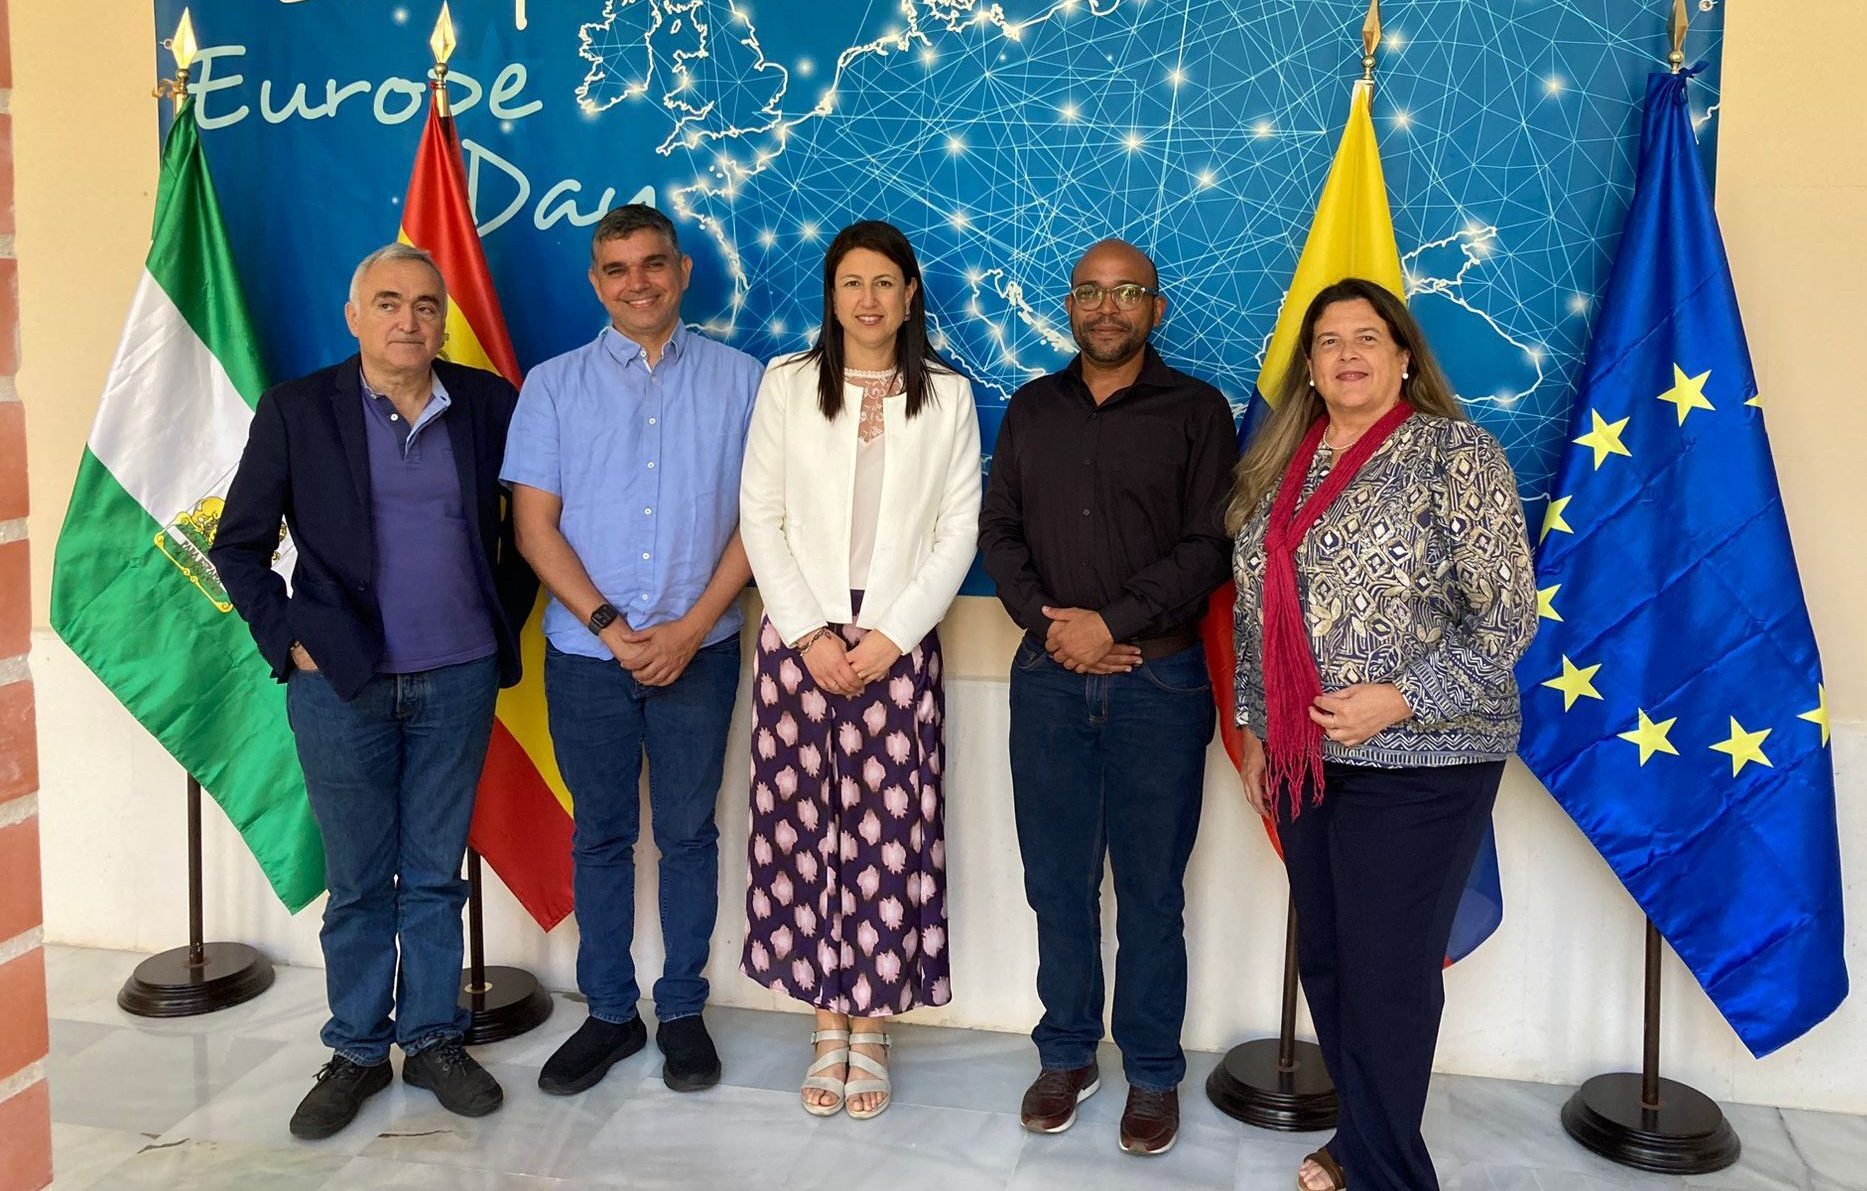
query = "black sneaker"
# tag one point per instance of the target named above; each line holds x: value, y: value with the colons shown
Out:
x: 334, y: 1100
x: 586, y: 1056
x: 455, y: 1077
x: 692, y: 1063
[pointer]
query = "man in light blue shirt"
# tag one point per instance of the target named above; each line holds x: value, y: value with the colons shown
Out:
x: 624, y: 459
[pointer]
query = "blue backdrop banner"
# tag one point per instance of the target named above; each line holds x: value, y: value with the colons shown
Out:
x: 1004, y: 138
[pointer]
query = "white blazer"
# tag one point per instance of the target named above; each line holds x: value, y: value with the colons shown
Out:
x: 796, y: 502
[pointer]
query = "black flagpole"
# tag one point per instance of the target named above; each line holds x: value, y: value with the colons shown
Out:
x: 1277, y: 1083
x: 1647, y: 1122
x: 200, y: 977
x: 505, y: 1002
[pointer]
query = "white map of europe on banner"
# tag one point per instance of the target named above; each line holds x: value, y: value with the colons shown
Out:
x: 1002, y: 138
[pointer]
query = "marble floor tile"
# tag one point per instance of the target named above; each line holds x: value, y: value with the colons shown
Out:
x: 70, y: 1038
x: 1769, y: 1160
x: 203, y: 1103
x: 532, y: 1133
x: 145, y: 1082
x: 257, y: 1108
x: 294, y: 1009
x: 761, y: 1049
x: 976, y: 1070
x: 82, y: 985
x: 81, y: 975
x: 380, y: 1174
x: 1472, y: 1122
x: 909, y: 1147
x: 221, y: 1166
x: 1833, y: 1145
x: 82, y: 1154
x: 727, y: 1137
x: 1267, y: 1159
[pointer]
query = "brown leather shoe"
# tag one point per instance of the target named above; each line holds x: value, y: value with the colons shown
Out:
x: 1050, y: 1103
x: 1150, y: 1123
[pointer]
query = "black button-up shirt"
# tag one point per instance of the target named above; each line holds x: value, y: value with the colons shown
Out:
x: 1118, y: 507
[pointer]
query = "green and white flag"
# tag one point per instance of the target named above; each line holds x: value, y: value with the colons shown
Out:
x: 133, y: 593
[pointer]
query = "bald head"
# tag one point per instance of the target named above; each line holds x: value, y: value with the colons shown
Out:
x: 1115, y: 258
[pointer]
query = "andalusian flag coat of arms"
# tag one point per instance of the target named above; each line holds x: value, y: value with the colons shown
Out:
x: 132, y: 591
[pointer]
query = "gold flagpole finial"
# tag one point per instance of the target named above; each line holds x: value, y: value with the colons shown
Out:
x: 441, y: 41
x: 184, y: 47
x: 1370, y: 38
x: 1677, y: 26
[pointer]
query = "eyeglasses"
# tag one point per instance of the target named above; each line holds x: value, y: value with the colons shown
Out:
x: 1089, y: 295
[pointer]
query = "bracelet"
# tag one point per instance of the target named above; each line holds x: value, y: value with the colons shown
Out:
x: 809, y: 639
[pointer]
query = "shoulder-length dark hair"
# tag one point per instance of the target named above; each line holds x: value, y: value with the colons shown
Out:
x: 1275, y: 443
x: 914, y: 355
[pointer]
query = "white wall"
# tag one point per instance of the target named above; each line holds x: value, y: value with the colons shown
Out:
x: 1554, y: 996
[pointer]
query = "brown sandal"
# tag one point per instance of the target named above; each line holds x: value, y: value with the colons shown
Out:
x: 1330, y: 1167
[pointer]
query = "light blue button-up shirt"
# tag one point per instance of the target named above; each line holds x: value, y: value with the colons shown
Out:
x: 647, y: 464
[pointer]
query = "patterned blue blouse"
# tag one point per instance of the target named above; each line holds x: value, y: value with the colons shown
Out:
x: 1419, y: 575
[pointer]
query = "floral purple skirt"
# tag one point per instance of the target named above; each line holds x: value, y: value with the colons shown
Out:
x: 846, y: 907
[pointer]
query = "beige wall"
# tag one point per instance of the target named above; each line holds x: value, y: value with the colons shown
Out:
x: 86, y: 157
x: 1792, y: 190
x: 1792, y: 195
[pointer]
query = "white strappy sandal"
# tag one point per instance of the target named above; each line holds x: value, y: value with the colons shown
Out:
x: 880, y: 1083
x: 813, y: 1081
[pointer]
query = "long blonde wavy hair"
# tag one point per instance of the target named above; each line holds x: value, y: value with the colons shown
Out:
x: 1299, y: 404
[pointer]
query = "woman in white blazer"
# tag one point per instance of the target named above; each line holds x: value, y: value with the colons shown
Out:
x: 859, y: 509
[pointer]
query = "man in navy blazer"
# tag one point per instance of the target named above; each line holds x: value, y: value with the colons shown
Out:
x: 399, y: 627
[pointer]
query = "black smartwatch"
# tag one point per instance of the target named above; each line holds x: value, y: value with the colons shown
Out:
x: 604, y: 616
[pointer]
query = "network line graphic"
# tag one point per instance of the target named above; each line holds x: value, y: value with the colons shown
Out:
x: 1004, y: 138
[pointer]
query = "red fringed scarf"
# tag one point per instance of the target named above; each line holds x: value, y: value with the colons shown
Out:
x: 1293, y: 743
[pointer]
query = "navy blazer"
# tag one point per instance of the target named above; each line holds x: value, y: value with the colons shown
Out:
x: 307, y: 462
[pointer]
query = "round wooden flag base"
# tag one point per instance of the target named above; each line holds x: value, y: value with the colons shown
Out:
x: 507, y: 1003
x: 1686, y: 1134
x: 1251, y: 1085
x: 183, y: 983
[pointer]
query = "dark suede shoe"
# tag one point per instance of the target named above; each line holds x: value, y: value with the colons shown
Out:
x: 1050, y: 1103
x: 1150, y: 1123
x: 692, y: 1063
x: 334, y: 1100
x: 455, y: 1077
x: 586, y: 1056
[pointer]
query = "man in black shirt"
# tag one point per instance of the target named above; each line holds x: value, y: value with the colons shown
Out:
x: 1102, y: 528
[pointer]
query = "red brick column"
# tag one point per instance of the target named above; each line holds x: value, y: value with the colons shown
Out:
x: 25, y: 1107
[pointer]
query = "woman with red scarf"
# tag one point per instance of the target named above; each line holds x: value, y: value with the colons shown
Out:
x: 1385, y: 593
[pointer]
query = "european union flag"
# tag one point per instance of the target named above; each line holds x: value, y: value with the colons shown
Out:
x: 1673, y: 700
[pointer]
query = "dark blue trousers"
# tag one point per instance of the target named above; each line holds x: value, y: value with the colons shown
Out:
x: 1376, y: 872
x: 1110, y: 767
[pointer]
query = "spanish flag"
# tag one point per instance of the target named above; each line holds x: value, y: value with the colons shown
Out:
x: 522, y: 819
x: 1351, y: 235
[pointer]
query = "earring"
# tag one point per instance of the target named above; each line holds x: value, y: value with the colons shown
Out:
x: 1312, y: 382
x: 1403, y: 374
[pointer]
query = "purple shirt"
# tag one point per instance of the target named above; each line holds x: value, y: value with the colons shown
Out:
x: 432, y: 611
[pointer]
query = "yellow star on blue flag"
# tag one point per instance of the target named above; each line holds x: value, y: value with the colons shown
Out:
x: 1687, y: 393
x: 1605, y: 438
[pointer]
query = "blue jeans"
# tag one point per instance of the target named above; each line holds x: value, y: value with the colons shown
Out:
x: 391, y: 777
x: 602, y: 720
x: 1113, y: 767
